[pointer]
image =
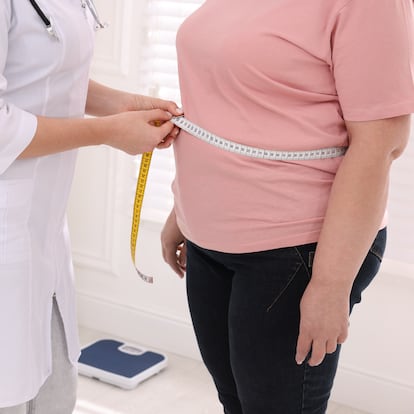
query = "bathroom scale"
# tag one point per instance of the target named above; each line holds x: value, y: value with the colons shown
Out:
x: 122, y: 364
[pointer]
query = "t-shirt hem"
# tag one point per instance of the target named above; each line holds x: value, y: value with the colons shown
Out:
x: 254, y: 246
x: 263, y: 245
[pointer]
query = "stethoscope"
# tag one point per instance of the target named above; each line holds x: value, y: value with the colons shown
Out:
x: 84, y: 3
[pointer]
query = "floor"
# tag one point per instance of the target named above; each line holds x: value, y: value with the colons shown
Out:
x: 184, y: 387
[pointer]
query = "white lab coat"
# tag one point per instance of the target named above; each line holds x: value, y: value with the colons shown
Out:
x: 43, y: 76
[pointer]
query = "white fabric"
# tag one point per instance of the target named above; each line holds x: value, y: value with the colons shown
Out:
x: 58, y: 394
x: 39, y: 75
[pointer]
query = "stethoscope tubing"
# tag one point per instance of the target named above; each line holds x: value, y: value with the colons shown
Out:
x: 39, y: 11
x: 89, y: 3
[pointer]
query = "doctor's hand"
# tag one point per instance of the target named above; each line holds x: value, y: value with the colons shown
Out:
x: 136, y: 132
x: 173, y: 245
x: 103, y: 100
x: 142, y: 102
x: 324, y: 316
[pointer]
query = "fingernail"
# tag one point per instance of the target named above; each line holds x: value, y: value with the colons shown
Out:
x: 180, y: 110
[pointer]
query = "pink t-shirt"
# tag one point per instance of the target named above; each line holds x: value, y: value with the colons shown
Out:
x: 281, y: 75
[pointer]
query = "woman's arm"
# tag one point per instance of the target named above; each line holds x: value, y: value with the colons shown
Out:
x: 353, y: 218
x: 125, y: 121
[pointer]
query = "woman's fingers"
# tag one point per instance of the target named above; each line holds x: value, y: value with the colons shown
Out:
x: 331, y: 346
x: 173, y: 245
x: 172, y: 258
x: 182, y: 256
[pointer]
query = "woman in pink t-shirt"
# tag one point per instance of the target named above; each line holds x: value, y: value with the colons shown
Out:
x: 278, y: 252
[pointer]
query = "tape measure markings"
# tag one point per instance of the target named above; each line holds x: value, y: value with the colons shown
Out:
x: 231, y: 146
x: 136, y: 216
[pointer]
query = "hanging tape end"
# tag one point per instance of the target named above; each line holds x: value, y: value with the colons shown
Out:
x: 145, y: 278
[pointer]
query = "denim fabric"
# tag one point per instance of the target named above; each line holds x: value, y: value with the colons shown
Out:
x: 58, y: 394
x: 245, y: 312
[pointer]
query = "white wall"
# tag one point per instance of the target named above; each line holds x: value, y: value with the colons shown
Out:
x: 376, y: 373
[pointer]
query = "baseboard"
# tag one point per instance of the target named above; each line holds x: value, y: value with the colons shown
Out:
x: 131, y: 324
x: 361, y: 390
x: 372, y: 394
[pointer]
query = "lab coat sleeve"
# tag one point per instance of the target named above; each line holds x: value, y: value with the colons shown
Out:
x: 17, y: 127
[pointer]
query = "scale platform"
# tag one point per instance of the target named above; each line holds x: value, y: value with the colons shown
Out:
x: 118, y: 363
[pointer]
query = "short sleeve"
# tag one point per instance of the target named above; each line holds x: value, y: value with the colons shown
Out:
x: 17, y: 127
x: 373, y: 59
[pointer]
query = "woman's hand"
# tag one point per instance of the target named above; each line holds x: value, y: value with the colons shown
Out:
x: 324, y: 316
x: 173, y: 245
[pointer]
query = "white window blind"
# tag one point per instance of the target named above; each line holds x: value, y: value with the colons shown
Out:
x: 158, y: 77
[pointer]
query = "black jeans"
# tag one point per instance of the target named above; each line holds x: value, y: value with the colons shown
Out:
x: 245, y: 312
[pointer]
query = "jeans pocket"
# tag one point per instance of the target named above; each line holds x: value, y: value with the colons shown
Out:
x: 369, y: 268
x: 378, y: 246
x: 306, y: 253
x: 288, y: 267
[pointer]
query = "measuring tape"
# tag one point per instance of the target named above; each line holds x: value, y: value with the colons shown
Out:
x: 240, y: 149
x: 227, y: 145
x: 136, y: 215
